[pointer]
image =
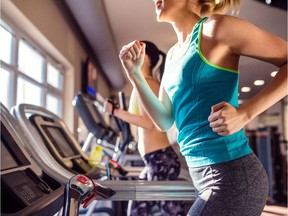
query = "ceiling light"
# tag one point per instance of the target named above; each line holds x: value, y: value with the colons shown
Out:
x: 245, y: 89
x: 259, y: 82
x: 273, y: 74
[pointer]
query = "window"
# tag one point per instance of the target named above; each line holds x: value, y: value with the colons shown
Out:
x: 30, y: 61
x: 28, y: 75
x: 4, y: 83
x: 27, y: 92
x: 54, y: 77
x: 53, y: 104
x: 6, y: 45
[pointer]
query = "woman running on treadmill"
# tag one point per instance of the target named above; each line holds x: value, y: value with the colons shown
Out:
x: 199, y: 92
x: 161, y: 161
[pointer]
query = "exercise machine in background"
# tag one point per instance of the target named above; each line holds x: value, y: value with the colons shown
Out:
x: 125, y: 190
x: 91, y: 112
x: 272, y: 152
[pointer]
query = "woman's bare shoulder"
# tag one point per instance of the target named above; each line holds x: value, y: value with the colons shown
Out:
x: 225, y: 29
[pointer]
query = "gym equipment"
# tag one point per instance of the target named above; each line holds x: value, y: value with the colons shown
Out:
x: 81, y: 189
x: 49, y: 135
x: 266, y: 144
x: 25, y: 188
x: 125, y: 190
x: 31, y: 191
x: 89, y: 111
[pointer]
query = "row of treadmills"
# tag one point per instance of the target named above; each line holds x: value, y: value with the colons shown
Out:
x: 45, y: 171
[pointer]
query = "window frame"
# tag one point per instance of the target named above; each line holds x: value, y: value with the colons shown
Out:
x: 15, y: 73
x: 15, y: 18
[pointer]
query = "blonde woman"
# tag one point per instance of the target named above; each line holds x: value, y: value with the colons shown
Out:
x: 199, y: 91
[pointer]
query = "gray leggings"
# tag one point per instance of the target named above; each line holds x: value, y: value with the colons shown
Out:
x: 234, y: 188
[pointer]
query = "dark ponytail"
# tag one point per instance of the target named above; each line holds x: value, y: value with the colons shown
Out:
x: 154, y: 54
x: 162, y: 66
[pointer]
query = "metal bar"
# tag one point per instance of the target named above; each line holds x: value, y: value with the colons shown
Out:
x: 150, y: 190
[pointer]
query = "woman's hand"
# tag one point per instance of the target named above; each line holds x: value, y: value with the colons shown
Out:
x: 132, y: 57
x: 225, y: 119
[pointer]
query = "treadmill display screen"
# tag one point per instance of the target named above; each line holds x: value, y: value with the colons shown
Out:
x: 60, y: 141
x: 7, y: 160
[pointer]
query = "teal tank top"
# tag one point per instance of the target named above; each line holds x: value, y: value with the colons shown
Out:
x: 193, y: 85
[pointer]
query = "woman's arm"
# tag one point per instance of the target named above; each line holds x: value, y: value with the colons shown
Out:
x: 139, y: 118
x: 142, y: 121
x: 248, y: 40
x: 136, y: 119
x: 159, y: 109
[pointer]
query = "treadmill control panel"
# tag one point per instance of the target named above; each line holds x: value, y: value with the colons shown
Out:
x: 25, y: 188
x: 23, y: 184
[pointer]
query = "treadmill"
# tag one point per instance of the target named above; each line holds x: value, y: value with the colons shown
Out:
x: 62, y: 146
x: 25, y: 188
x: 90, y: 111
x: 124, y: 189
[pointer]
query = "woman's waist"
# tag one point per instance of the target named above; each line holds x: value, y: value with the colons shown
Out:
x: 151, y: 140
x: 214, y: 149
x: 146, y: 147
x: 203, y: 137
x: 154, y: 135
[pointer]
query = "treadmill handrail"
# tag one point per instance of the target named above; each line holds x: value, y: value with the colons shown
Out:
x: 150, y: 190
x: 41, y: 155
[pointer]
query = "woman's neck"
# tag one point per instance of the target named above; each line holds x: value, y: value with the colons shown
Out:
x: 184, y: 25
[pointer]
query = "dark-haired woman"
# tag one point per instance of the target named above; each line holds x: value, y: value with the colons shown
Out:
x: 161, y: 161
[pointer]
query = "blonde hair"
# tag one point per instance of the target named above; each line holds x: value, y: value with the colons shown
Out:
x: 209, y: 7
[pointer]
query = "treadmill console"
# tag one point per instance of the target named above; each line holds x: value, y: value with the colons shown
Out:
x: 60, y: 145
x: 93, y: 119
x: 25, y: 189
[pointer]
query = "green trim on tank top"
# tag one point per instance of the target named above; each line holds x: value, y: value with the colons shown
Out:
x: 204, y: 59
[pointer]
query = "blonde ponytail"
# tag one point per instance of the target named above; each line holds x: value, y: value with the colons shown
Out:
x: 209, y: 7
